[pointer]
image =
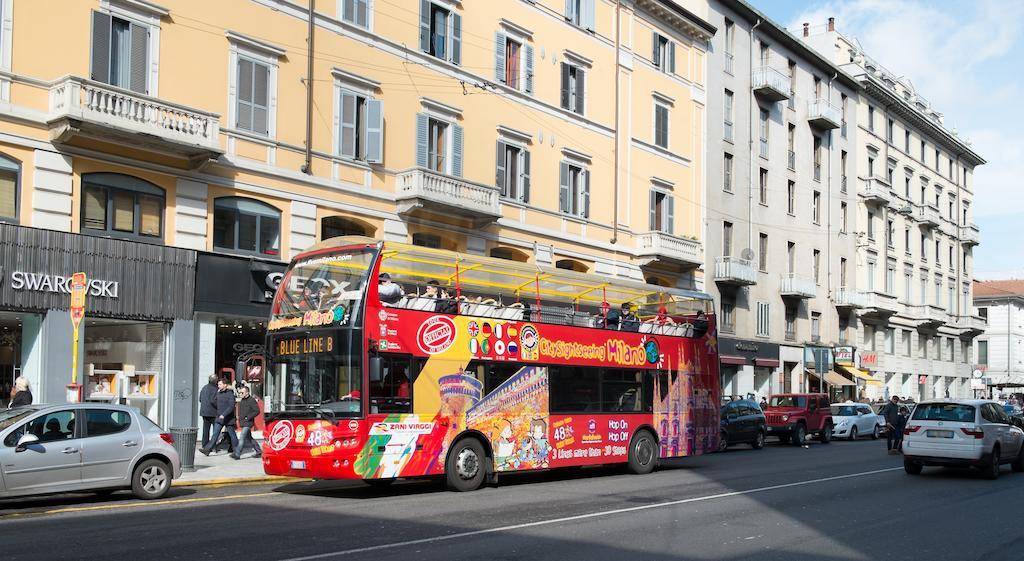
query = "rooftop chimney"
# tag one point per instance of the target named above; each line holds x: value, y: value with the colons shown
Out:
x: 831, y: 24
x: 807, y: 30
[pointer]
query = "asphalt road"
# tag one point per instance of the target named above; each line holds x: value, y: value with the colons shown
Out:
x: 841, y: 501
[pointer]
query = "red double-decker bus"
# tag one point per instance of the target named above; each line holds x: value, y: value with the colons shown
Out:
x: 392, y: 361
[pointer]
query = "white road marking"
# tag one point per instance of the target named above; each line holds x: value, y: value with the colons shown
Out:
x: 447, y: 537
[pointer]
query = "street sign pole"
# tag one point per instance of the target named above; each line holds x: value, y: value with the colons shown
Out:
x: 79, y: 283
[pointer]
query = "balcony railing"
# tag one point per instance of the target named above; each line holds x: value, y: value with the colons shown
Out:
x: 850, y: 298
x: 659, y: 246
x: 875, y: 190
x: 734, y: 271
x: 928, y: 314
x: 421, y: 188
x: 879, y: 303
x: 969, y: 235
x: 80, y: 107
x: 824, y: 115
x: 770, y: 83
x: 928, y: 215
x: 793, y: 285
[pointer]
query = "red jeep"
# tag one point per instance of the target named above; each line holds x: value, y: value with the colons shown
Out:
x: 793, y: 416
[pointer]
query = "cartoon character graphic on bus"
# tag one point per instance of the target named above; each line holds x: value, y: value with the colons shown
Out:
x: 534, y: 449
x: 505, y: 445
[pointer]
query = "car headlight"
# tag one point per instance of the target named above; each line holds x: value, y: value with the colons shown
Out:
x: 785, y: 418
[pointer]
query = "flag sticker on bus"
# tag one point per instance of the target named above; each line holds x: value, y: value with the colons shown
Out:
x: 436, y: 335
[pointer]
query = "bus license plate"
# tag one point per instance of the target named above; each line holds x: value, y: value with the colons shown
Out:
x: 298, y: 464
x: 940, y: 433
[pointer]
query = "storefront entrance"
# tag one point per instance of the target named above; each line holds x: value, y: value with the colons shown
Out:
x: 11, y: 354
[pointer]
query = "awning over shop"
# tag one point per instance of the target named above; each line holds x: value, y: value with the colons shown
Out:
x: 857, y: 373
x: 1016, y: 380
x: 810, y: 372
x: 769, y: 362
x: 834, y: 379
x: 726, y: 359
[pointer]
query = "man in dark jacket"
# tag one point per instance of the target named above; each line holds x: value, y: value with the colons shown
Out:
x: 891, y: 413
x: 225, y: 418
x: 248, y: 410
x: 208, y: 407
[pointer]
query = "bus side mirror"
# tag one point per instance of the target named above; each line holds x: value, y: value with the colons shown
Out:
x: 375, y: 369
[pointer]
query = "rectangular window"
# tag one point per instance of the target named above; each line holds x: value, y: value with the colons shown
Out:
x: 842, y: 271
x: 791, y: 197
x: 727, y: 172
x: 661, y: 125
x: 924, y: 248
x: 816, y: 207
x: 730, y: 38
x: 965, y: 352
x: 664, y: 53
x: 120, y: 52
x: 790, y: 257
x: 843, y: 218
x: 728, y: 314
x: 817, y: 158
x: 843, y: 103
x: 573, y: 84
x: 843, y: 325
x: 983, y: 352
x: 513, y: 66
x: 361, y: 128
x: 869, y: 337
x: 791, y: 102
x: 890, y: 233
x: 580, y: 13
x: 574, y: 190
x: 890, y: 278
x: 871, y: 118
x: 662, y: 212
x: 871, y: 276
x: 791, y: 145
x: 923, y: 296
x: 513, y: 171
x: 763, y: 186
x: 437, y: 133
x: 441, y: 32
x: 763, y: 131
x: 922, y: 346
x: 890, y: 341
x: 907, y: 351
x: 121, y: 211
x: 938, y: 156
x: 8, y: 190
x: 815, y: 326
x: 356, y: 12
x: 763, y: 319
x: 871, y: 225
x: 890, y: 131
x: 727, y: 238
x: 842, y: 171
x: 790, y: 312
x: 906, y: 142
x: 574, y: 389
x: 938, y: 292
x: 906, y: 187
x: 871, y: 166
x: 251, y: 108
x: 763, y: 252
x: 728, y: 116
x: 923, y: 147
x: 438, y: 31
x: 908, y: 283
x: 816, y: 262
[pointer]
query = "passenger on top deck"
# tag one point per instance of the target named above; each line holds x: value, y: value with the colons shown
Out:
x: 390, y: 293
x: 445, y: 304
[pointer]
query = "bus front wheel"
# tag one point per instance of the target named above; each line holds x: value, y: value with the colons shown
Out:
x: 643, y: 453
x: 466, y: 466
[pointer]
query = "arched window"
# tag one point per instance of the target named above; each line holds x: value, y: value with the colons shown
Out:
x: 121, y: 205
x: 335, y: 226
x: 434, y: 241
x: 246, y: 226
x: 510, y: 254
x: 10, y: 174
x: 571, y: 265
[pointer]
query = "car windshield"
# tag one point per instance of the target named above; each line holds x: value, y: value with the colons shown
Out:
x: 788, y: 401
x: 322, y: 291
x: 844, y: 411
x: 317, y: 373
x: 9, y: 417
x: 944, y: 412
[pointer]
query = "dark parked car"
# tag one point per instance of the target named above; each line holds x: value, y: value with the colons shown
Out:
x: 742, y: 423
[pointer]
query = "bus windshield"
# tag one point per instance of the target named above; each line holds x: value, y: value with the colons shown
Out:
x: 318, y: 374
x: 322, y: 291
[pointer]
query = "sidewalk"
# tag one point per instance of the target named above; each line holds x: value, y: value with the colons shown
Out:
x: 219, y: 468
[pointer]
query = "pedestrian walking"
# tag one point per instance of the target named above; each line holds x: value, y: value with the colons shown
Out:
x: 225, y: 418
x: 20, y: 395
x: 248, y: 410
x: 764, y: 403
x: 901, y: 423
x: 208, y: 406
x: 891, y: 412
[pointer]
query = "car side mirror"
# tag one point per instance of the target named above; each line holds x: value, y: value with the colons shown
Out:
x: 375, y: 368
x: 26, y: 440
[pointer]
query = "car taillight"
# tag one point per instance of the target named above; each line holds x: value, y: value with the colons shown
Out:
x: 976, y: 433
x: 911, y: 429
x: 167, y: 437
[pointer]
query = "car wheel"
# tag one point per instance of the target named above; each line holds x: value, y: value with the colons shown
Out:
x: 911, y: 467
x: 799, y: 434
x: 826, y: 435
x: 853, y: 433
x: 993, y: 468
x: 1018, y: 463
x: 875, y: 433
x: 643, y: 453
x: 723, y: 441
x: 465, y: 468
x: 758, y: 442
x: 151, y: 479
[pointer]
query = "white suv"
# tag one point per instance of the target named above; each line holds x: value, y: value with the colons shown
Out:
x: 970, y: 432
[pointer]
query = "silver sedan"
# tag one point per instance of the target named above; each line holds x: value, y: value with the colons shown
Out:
x: 84, y: 447
x: 853, y: 420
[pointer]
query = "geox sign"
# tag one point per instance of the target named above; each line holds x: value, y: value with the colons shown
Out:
x: 40, y: 282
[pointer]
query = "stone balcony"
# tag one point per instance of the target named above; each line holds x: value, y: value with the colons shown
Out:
x: 975, y: 325
x: 880, y: 305
x: 420, y: 190
x: 928, y: 215
x: 669, y: 249
x: 850, y: 298
x: 734, y: 271
x: 770, y: 83
x: 823, y: 115
x: 875, y: 190
x: 929, y: 316
x: 792, y: 285
x: 970, y: 235
x: 84, y: 109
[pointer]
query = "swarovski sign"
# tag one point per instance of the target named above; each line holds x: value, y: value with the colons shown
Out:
x: 41, y: 282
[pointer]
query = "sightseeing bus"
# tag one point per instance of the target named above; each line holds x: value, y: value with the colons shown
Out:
x: 389, y: 360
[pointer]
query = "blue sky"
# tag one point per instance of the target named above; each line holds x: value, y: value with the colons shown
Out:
x: 967, y: 59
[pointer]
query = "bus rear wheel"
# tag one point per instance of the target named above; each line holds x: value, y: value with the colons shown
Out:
x: 643, y: 453
x: 465, y: 469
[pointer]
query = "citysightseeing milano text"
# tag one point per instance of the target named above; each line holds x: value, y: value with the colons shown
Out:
x: 615, y: 351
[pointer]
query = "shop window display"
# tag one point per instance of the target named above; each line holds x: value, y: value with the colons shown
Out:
x: 124, y: 362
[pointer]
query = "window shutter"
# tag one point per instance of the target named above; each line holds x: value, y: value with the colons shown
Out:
x: 529, y: 69
x: 138, y: 58
x: 499, y: 57
x: 8, y: 194
x: 260, y: 98
x: 421, y: 140
x: 670, y: 227
x: 456, y: 150
x: 100, y: 47
x: 653, y: 210
x: 243, y: 107
x: 570, y: 10
x: 565, y: 87
x: 499, y: 169
x: 348, y: 125
x: 587, y: 17
x: 655, y: 49
x: 348, y: 11
x: 425, y: 27
x: 563, y: 187
x: 456, y: 39
x: 374, y: 131
x: 671, y: 57
x: 581, y: 79
x: 525, y: 195
x: 585, y: 174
